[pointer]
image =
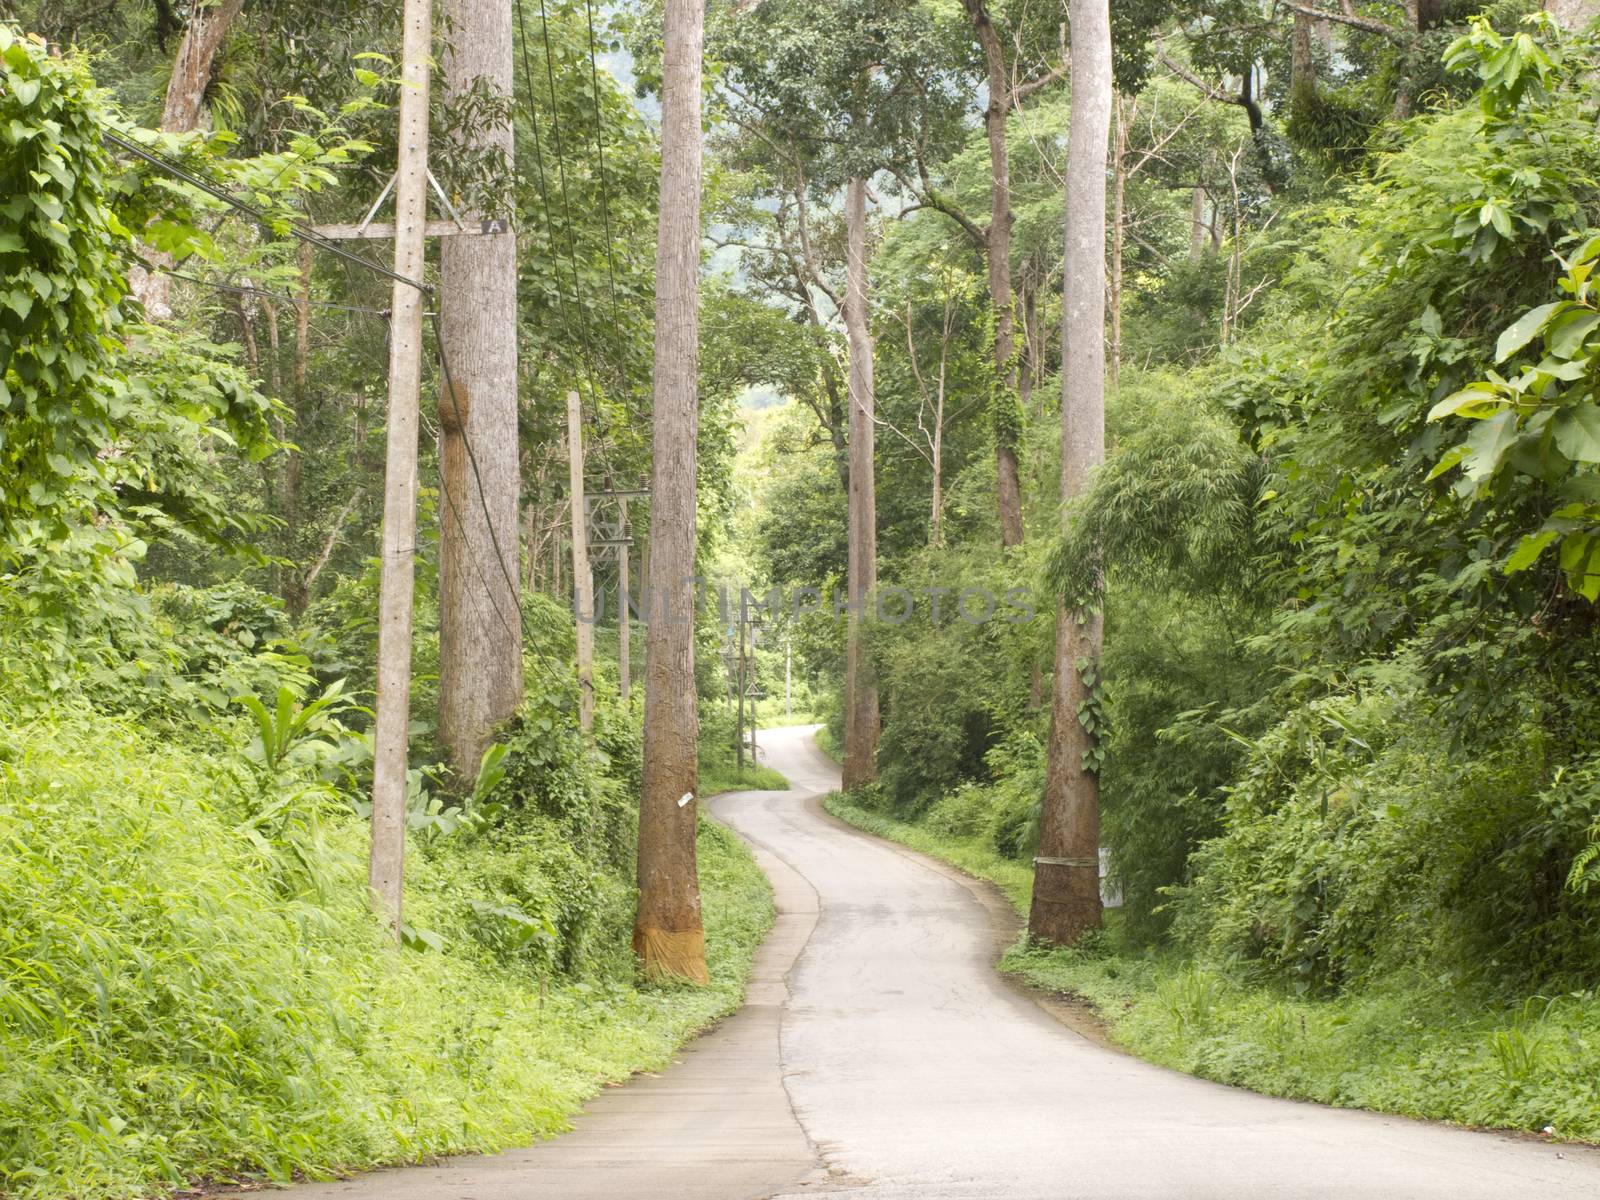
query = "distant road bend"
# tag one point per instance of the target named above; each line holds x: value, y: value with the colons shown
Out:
x: 879, y: 1056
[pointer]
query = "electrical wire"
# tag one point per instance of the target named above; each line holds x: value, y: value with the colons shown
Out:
x: 447, y: 386
x: 282, y: 297
x: 583, y: 336
x: 298, y: 229
x: 600, y: 167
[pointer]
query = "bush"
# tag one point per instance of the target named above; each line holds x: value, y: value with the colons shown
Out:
x: 1364, y: 838
x: 193, y: 985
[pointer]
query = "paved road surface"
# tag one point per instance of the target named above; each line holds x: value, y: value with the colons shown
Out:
x: 880, y: 1057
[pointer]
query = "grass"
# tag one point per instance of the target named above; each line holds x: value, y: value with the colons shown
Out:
x: 720, y: 772
x: 1416, y: 1047
x: 972, y: 855
x: 191, y: 986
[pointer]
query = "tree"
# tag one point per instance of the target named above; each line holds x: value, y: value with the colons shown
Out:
x: 668, y: 937
x: 186, y: 92
x: 868, y: 109
x: 1066, y: 888
x: 480, y: 641
x: 1005, y: 91
x: 862, y: 723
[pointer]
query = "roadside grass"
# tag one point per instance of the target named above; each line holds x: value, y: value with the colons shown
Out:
x: 972, y: 855
x: 720, y: 772
x: 1415, y: 1047
x: 191, y: 990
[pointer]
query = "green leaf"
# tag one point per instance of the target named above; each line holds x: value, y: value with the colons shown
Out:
x: 25, y: 90
x: 1588, y: 584
x: 1577, y: 432
x: 1488, y: 444
x: 1567, y: 333
x: 1474, y: 401
x: 1525, y: 328
x: 1451, y: 459
x: 1529, y: 550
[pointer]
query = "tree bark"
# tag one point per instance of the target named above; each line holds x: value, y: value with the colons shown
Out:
x: 480, y: 632
x: 584, y: 609
x: 1302, y: 70
x: 1028, y: 369
x: 1199, y: 229
x: 861, y: 718
x: 668, y: 936
x: 186, y: 93
x: 1573, y: 15
x: 1119, y: 200
x: 1008, y: 482
x: 1066, y: 887
x: 624, y: 618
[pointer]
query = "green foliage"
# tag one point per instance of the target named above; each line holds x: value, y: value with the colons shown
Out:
x: 108, y: 425
x: 193, y: 983
x: 1356, y: 844
x: 1542, y: 426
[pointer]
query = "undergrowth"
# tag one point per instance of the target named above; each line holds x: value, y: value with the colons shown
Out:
x: 194, y: 986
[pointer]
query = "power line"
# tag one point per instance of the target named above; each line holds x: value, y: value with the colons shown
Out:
x: 600, y: 172
x: 282, y: 297
x: 304, y: 232
x: 448, y: 387
x: 584, y: 337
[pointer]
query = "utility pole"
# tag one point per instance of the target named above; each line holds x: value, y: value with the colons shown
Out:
x: 624, y: 666
x: 582, y: 584
x: 738, y: 733
x: 386, y: 866
x: 755, y: 693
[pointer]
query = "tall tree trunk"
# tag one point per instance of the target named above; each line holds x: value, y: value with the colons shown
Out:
x: 667, y: 934
x: 1066, y: 883
x: 1008, y: 482
x: 1028, y: 369
x: 296, y: 593
x: 480, y: 632
x: 186, y: 93
x: 861, y: 719
x: 1199, y: 230
x: 1302, y: 70
x: 1573, y: 15
x: 1119, y: 202
x: 624, y: 619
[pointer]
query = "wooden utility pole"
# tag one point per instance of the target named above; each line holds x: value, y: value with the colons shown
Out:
x: 582, y: 583
x: 624, y: 664
x: 754, y: 688
x: 738, y: 687
x: 386, y: 867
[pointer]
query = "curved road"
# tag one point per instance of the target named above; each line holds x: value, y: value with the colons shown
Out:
x: 881, y: 1057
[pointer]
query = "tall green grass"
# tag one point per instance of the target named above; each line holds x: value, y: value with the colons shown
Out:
x: 191, y: 983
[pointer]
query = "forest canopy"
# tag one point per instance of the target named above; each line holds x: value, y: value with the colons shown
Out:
x: 1308, y: 622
